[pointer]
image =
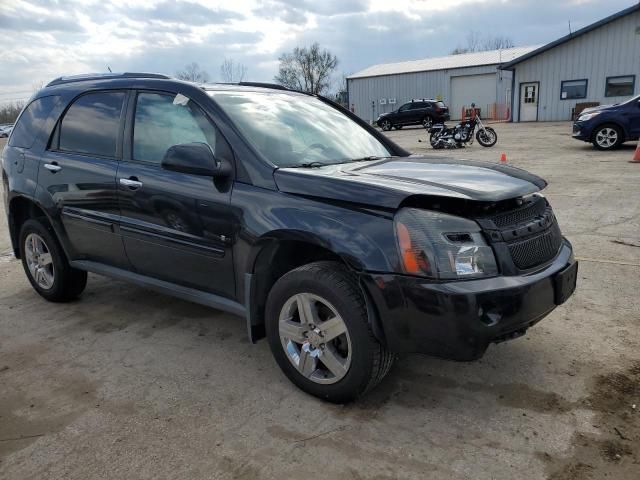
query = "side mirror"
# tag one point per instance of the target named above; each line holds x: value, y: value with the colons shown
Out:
x: 196, y: 159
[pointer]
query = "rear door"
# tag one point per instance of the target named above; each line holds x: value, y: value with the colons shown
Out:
x: 78, y: 172
x: 175, y: 226
x: 418, y: 111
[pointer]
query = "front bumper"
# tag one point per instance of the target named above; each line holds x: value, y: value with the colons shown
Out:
x: 458, y: 320
x: 581, y: 132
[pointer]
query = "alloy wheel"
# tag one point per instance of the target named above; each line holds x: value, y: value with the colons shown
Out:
x: 39, y: 261
x: 427, y: 122
x: 315, y: 338
x: 607, y: 137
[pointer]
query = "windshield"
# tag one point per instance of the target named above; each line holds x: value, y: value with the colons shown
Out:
x: 296, y: 130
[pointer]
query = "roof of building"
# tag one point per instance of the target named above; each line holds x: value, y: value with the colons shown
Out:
x: 571, y: 36
x: 476, y: 59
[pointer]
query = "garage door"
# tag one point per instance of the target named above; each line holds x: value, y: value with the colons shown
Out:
x: 468, y: 89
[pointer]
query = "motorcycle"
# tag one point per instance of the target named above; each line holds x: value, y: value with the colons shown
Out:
x: 456, y: 137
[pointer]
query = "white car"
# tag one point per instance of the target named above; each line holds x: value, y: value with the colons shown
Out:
x: 5, y: 130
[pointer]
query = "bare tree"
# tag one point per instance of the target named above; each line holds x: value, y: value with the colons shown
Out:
x: 477, y: 43
x: 9, y: 111
x: 193, y: 73
x: 307, y: 69
x: 231, y: 72
x: 497, y: 43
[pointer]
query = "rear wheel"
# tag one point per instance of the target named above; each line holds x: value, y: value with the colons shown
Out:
x: 46, y: 265
x: 427, y: 122
x: 320, y: 336
x: 607, y: 137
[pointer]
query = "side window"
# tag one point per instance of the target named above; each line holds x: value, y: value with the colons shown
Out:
x: 91, y: 124
x: 32, y: 122
x: 162, y: 121
x: 405, y: 107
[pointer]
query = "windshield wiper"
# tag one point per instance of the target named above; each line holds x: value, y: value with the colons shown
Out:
x: 368, y: 159
x: 309, y: 165
x: 347, y: 160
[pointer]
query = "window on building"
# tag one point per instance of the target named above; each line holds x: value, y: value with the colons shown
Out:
x: 573, y: 89
x: 620, y: 86
x: 90, y: 126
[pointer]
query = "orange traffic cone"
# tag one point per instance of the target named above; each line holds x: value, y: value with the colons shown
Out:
x: 636, y: 156
x: 503, y: 158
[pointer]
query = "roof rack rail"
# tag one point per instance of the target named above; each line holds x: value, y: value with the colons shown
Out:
x: 275, y: 86
x: 103, y: 76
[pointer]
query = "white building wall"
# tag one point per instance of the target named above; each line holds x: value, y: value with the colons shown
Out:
x: 609, y: 51
x: 403, y: 87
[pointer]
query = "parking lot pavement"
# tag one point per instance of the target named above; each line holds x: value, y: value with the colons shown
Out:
x: 126, y: 383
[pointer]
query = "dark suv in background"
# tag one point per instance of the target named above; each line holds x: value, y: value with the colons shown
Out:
x: 416, y: 112
x: 609, y: 126
x: 287, y: 210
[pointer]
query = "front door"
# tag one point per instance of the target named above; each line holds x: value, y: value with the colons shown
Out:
x: 175, y: 226
x: 78, y: 171
x: 529, y: 102
x: 404, y: 114
x: 633, y: 113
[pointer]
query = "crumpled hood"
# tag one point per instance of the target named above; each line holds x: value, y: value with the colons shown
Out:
x: 386, y: 183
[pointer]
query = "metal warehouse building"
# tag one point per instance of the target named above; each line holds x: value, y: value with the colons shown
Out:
x: 458, y: 80
x: 599, y: 63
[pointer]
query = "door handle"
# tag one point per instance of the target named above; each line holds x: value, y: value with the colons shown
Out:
x: 53, y: 167
x: 131, y: 183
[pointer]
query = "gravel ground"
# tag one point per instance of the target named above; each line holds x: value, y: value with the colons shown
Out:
x: 126, y: 383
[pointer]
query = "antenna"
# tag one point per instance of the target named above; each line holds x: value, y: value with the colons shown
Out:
x: 570, y: 32
x: 109, y: 68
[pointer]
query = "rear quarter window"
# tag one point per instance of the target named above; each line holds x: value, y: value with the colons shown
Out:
x: 32, y: 121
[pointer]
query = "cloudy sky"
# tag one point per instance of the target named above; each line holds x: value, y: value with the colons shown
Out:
x: 42, y: 39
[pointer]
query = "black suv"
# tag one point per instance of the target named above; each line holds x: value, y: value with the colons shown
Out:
x: 325, y: 236
x: 416, y: 112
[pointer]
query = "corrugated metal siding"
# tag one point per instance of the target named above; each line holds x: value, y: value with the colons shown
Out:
x: 612, y: 50
x: 404, y: 87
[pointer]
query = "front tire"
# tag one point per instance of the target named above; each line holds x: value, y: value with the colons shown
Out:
x: 607, y: 137
x: 386, y: 125
x: 487, y: 137
x: 317, y: 326
x: 434, y: 141
x: 46, y: 265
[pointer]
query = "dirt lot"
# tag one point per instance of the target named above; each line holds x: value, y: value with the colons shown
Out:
x: 131, y: 384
